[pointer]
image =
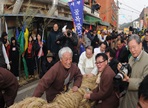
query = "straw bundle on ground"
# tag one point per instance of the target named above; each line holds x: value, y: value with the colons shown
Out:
x: 69, y: 99
x: 30, y: 102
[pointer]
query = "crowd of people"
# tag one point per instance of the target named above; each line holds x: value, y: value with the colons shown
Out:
x: 67, y: 58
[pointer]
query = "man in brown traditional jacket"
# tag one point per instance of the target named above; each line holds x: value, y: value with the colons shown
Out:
x: 103, y: 94
x: 8, y: 88
x: 59, y: 76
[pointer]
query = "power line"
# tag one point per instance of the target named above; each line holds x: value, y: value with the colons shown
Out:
x: 130, y: 10
x: 133, y: 2
x: 129, y: 7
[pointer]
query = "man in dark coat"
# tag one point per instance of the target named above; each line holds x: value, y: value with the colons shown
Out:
x: 52, y: 45
x: 69, y: 39
x: 8, y: 88
x: 95, y: 42
x: 103, y: 94
x: 59, y: 76
x: 112, y: 61
x: 122, y: 52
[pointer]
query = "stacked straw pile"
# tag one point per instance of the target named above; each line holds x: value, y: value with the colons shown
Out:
x: 69, y: 99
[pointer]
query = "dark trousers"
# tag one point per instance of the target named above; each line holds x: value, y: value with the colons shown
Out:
x: 30, y: 65
x: 3, y: 102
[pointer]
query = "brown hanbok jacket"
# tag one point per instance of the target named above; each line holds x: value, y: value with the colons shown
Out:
x: 8, y: 86
x: 53, y: 81
x: 104, y: 94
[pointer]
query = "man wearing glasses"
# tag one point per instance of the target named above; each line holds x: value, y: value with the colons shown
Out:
x: 103, y: 95
x: 139, y: 64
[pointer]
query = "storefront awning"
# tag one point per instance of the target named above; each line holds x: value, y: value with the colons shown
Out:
x: 91, y: 19
x: 104, y: 23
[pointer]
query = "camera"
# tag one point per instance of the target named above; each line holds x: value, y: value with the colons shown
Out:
x: 69, y: 33
x: 121, y: 86
x: 124, y: 70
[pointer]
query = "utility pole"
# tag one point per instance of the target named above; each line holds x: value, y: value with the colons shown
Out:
x: 117, y: 15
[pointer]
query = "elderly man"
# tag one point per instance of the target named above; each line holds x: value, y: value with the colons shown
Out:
x: 8, y: 88
x: 87, y: 62
x: 103, y: 94
x: 59, y: 76
x: 139, y: 63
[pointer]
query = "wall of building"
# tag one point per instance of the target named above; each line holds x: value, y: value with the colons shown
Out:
x: 108, y: 11
x: 144, y: 17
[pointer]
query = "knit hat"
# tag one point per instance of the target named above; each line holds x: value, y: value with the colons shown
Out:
x: 49, y: 55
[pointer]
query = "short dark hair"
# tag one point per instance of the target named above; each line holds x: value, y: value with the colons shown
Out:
x: 103, y: 43
x: 143, y: 89
x: 103, y: 55
x: 4, y: 34
x: 112, y: 52
x: 121, y: 40
x: 90, y: 48
x: 146, y: 32
x: 108, y: 38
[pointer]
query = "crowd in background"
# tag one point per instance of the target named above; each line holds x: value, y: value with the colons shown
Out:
x: 99, y: 40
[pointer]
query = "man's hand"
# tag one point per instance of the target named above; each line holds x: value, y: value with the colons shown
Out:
x: 90, y: 75
x: 87, y: 96
x: 74, y: 88
x: 119, y: 66
x: 126, y: 78
x: 58, y: 42
x: 8, y: 66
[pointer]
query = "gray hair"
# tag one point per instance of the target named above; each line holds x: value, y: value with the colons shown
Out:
x: 64, y: 50
x: 134, y: 37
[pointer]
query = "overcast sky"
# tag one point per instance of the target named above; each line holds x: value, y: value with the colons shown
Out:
x: 130, y: 9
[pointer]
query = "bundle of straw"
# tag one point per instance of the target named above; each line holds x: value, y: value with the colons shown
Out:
x: 68, y: 99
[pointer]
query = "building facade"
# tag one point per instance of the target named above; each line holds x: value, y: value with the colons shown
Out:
x: 108, y: 12
x: 35, y: 12
x: 144, y: 18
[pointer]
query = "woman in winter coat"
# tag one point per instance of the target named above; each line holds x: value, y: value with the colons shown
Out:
x: 14, y: 57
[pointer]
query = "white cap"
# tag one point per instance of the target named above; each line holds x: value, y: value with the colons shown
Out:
x: 64, y: 28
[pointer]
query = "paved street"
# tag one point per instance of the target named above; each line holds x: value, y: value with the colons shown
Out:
x: 27, y: 91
